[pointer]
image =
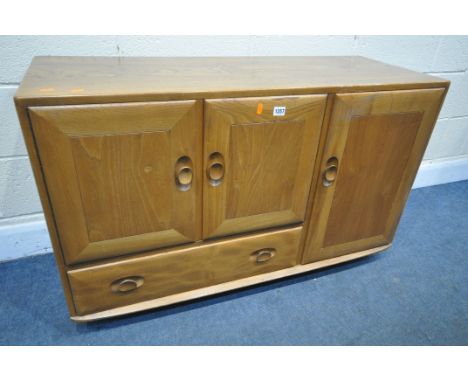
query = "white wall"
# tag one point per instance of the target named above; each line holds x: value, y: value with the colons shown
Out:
x: 22, y: 231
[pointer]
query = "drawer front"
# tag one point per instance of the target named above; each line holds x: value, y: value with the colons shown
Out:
x: 130, y: 281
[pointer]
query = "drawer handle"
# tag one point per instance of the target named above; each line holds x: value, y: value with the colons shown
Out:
x: 263, y: 255
x: 184, y: 173
x: 331, y: 171
x: 215, y: 169
x: 127, y: 284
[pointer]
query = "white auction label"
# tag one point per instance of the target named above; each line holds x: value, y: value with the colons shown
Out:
x: 279, y: 111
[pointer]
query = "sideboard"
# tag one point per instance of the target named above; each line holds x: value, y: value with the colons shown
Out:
x: 168, y: 179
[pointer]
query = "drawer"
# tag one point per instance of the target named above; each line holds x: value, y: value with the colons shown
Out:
x: 129, y: 281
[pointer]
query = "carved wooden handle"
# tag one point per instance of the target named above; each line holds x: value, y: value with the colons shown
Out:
x: 331, y: 171
x: 127, y: 284
x: 263, y: 255
x: 184, y: 173
x: 215, y: 169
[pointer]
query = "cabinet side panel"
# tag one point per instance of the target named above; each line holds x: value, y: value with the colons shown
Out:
x: 39, y: 178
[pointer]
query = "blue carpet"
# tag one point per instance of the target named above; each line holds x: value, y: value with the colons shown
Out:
x: 415, y: 293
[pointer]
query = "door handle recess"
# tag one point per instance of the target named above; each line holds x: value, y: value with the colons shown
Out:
x: 330, y: 172
x: 215, y: 169
x: 184, y: 173
x: 263, y: 255
x: 127, y: 284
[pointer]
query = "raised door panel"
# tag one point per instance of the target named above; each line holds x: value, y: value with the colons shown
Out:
x: 121, y: 177
x: 259, y: 156
x: 375, y: 143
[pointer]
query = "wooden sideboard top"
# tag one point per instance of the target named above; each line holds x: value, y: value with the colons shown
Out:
x: 68, y: 80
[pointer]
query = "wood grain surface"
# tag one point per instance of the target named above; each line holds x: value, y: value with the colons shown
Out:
x: 146, y: 167
x: 110, y: 171
x: 224, y: 287
x: 68, y: 80
x: 182, y: 270
x: 268, y: 161
x: 378, y: 140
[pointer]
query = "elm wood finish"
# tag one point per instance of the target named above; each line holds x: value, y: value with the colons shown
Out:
x: 106, y: 162
x: 95, y: 83
x: 225, y: 287
x: 76, y: 80
x: 46, y: 205
x: 267, y: 162
x: 317, y: 173
x: 376, y: 140
x: 181, y: 270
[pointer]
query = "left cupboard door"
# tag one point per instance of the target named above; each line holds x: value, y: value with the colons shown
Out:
x: 121, y: 178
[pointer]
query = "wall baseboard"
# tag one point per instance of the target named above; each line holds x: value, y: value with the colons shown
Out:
x: 28, y: 236
x: 24, y: 236
x: 433, y: 172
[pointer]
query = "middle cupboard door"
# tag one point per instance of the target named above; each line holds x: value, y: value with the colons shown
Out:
x: 259, y: 157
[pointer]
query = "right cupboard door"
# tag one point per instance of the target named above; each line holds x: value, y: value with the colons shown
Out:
x: 374, y: 145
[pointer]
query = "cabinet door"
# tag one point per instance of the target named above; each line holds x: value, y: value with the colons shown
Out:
x: 375, y: 143
x: 259, y: 155
x: 121, y: 177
